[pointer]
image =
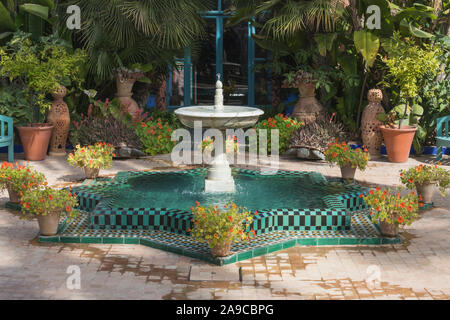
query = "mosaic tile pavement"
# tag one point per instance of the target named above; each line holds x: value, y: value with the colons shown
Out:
x: 362, y: 232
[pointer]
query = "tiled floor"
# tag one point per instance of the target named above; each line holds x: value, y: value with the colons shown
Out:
x: 417, y: 269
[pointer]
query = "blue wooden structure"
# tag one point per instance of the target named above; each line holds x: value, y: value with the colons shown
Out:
x: 7, y: 136
x: 442, y: 135
x: 219, y: 16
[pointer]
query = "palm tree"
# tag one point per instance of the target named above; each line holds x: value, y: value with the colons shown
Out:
x: 120, y: 33
x: 285, y: 18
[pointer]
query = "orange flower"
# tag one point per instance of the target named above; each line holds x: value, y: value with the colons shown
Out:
x: 411, y: 180
x: 402, y: 205
x: 231, y: 230
x: 42, y: 200
x: 400, y: 220
x: 230, y: 218
x: 50, y: 197
x: 361, y: 195
x: 410, y: 209
x: 421, y: 204
x: 334, y: 154
x: 371, y: 192
x: 68, y: 209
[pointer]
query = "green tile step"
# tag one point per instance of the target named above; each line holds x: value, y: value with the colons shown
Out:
x: 363, y: 232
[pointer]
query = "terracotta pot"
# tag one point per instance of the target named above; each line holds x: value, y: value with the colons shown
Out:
x: 388, y: 229
x: 370, y: 125
x: 398, y: 142
x: 348, y: 172
x: 14, y: 196
x: 35, y: 140
x: 426, y: 190
x: 48, y: 225
x: 59, y: 117
x: 308, y: 108
x: 221, y: 250
x: 91, y: 173
x: 124, y: 94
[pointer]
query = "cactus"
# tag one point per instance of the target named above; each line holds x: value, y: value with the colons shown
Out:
x: 317, y: 135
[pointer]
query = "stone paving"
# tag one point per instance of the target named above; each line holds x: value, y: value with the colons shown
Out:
x: 417, y: 269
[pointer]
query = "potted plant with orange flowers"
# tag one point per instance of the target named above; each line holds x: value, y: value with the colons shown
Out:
x: 47, y: 205
x: 424, y: 179
x: 391, y: 210
x: 220, y: 227
x: 347, y: 159
x: 92, y: 158
x: 18, y: 179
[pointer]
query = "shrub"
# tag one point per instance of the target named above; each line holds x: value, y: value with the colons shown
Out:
x: 103, y: 127
x: 426, y: 174
x: 156, y: 136
x: 42, y: 201
x: 390, y: 208
x: 286, y: 127
x: 19, y: 178
x: 216, y: 226
x: 342, y: 155
x: 97, y: 156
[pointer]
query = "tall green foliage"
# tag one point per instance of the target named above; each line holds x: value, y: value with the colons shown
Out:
x: 40, y: 68
x: 119, y: 33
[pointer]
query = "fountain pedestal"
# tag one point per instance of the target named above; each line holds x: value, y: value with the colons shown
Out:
x: 219, y: 178
x: 219, y: 117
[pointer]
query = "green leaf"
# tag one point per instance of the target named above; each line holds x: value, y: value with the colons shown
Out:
x: 414, y: 30
x: 145, y: 80
x: 325, y: 42
x: 6, y: 22
x: 35, y: 9
x: 367, y: 44
x: 5, y: 34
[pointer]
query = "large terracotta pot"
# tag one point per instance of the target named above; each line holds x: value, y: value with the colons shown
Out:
x: 388, y: 229
x: 35, y: 140
x: 59, y: 117
x: 398, y: 142
x: 348, y: 173
x: 125, y: 93
x: 221, y: 250
x: 48, y: 225
x: 370, y: 125
x: 426, y: 190
x: 308, y: 108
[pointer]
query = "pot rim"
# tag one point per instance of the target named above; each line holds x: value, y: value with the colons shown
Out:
x: 403, y: 129
x: 37, y: 127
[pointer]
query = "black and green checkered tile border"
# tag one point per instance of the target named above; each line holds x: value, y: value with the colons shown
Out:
x: 335, y: 217
x: 362, y: 232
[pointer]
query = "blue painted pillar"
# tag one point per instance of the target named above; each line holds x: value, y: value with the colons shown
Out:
x: 219, y: 45
x: 251, y: 65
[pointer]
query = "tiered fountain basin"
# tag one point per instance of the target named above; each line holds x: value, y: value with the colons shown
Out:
x: 153, y: 209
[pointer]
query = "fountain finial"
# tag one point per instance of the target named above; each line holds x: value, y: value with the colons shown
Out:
x: 218, y: 99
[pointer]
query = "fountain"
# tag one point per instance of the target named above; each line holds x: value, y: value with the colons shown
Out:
x: 219, y: 179
x: 154, y: 208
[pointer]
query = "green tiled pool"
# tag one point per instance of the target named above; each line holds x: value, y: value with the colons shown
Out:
x: 153, y: 209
